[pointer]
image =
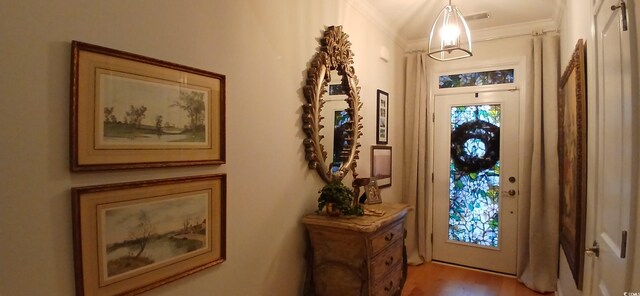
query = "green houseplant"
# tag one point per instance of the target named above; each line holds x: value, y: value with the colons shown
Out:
x: 337, y: 199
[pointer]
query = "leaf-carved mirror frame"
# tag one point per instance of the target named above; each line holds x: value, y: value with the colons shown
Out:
x: 334, y: 54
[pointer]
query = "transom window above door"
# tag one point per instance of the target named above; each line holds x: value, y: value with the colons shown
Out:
x: 491, y: 77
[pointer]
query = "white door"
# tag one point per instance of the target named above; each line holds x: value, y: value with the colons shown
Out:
x: 475, y: 180
x: 615, y: 158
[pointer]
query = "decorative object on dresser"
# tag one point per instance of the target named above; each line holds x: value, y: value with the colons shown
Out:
x: 381, y: 165
x: 382, y: 120
x: 358, y: 255
x: 132, y: 237
x: 131, y: 111
x: 333, y: 58
x: 370, y: 192
x: 337, y: 199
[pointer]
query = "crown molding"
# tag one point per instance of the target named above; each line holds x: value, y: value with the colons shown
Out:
x: 526, y: 28
x: 369, y: 12
x: 498, y: 32
x: 559, y: 15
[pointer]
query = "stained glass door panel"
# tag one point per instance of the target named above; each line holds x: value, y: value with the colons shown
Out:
x: 474, y: 179
x: 475, y: 148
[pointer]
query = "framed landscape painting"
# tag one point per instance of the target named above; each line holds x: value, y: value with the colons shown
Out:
x: 572, y: 152
x: 133, y: 237
x: 131, y: 111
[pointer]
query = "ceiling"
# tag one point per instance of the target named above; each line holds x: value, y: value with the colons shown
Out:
x: 412, y: 19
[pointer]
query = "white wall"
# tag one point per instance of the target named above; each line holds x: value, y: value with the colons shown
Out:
x: 576, y: 24
x: 263, y: 48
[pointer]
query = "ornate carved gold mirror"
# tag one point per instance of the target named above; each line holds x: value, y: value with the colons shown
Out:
x: 331, y: 119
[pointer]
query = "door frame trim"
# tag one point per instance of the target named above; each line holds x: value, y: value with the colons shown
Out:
x: 504, y: 256
x: 436, y: 69
x: 593, y: 119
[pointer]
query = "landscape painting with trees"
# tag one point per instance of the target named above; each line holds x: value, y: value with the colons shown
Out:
x: 131, y: 237
x: 150, y: 233
x: 138, y: 111
x: 130, y: 111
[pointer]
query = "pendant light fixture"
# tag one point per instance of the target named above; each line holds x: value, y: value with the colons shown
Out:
x: 450, y: 38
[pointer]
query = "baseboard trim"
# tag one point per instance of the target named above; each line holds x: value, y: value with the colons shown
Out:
x: 474, y: 269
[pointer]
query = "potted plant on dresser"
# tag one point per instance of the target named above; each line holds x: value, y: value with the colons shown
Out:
x: 337, y: 199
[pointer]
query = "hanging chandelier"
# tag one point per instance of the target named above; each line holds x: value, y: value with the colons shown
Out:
x: 450, y: 38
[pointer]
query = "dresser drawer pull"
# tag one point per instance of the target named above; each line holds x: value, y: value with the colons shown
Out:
x: 389, y: 261
x: 389, y: 286
x: 388, y: 237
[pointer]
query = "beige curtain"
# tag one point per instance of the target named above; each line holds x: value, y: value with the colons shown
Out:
x: 539, y: 194
x: 414, y: 162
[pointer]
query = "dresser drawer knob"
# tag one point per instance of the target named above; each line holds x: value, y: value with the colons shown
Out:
x: 389, y: 286
x: 389, y: 261
x: 388, y: 237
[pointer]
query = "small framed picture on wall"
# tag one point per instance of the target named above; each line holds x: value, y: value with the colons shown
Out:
x: 381, y: 165
x: 382, y: 126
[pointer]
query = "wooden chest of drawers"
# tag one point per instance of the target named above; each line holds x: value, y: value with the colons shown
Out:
x: 358, y: 255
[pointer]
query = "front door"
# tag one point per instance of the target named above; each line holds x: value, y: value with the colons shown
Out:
x: 616, y: 176
x: 476, y: 180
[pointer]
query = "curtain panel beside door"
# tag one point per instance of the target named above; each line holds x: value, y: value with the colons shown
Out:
x: 538, y: 234
x: 414, y: 187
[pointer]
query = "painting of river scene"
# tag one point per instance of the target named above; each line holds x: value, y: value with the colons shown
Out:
x: 136, y: 110
x: 150, y: 233
x: 130, y: 111
x: 131, y: 237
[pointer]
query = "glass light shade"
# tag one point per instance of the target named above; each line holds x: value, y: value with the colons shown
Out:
x: 450, y: 38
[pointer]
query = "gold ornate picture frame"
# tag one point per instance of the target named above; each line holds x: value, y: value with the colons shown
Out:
x: 132, y: 237
x: 131, y: 111
x: 572, y: 153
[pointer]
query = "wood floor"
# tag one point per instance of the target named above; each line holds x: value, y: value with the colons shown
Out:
x: 433, y: 279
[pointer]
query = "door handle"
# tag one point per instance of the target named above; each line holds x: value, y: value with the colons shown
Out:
x: 511, y: 192
x: 623, y: 12
x: 594, y: 250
